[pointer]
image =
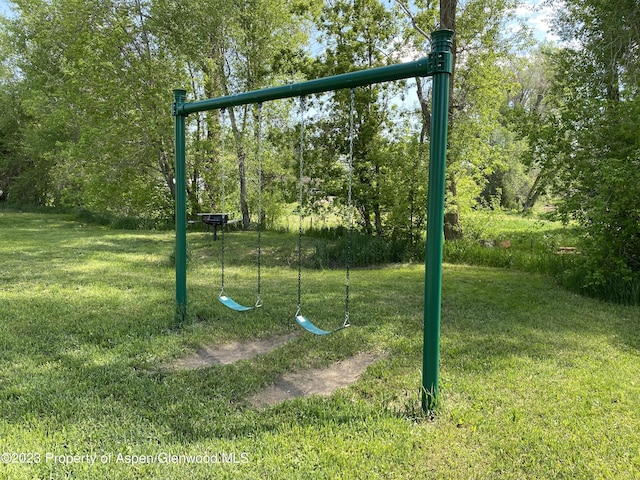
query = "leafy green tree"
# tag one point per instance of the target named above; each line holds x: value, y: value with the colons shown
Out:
x: 598, y: 83
x: 231, y: 47
x: 26, y: 165
x: 530, y: 118
x: 96, y: 85
x: 358, y: 35
x: 478, y: 87
x: 16, y: 172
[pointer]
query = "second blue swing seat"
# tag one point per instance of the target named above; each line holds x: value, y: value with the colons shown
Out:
x: 232, y: 304
x: 310, y: 327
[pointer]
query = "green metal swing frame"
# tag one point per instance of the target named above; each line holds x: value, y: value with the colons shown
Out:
x: 439, y: 65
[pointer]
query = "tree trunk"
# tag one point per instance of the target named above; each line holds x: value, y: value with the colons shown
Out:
x: 452, y: 225
x: 378, y: 219
x: 242, y: 171
x: 192, y: 187
x: 366, y: 219
x: 241, y: 154
x: 166, y: 167
x: 426, y: 112
x: 448, y: 21
x: 377, y: 214
x: 534, y: 192
x: 214, y: 137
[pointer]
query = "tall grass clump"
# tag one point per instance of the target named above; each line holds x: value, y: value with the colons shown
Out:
x: 514, y: 256
x: 365, y: 250
x: 612, y: 285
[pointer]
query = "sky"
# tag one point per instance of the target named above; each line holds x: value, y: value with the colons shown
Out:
x: 537, y: 16
x: 4, y: 8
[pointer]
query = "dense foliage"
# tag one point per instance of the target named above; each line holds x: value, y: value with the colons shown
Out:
x: 88, y: 86
x: 598, y: 165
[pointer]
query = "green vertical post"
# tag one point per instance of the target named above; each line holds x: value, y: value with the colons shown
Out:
x: 179, y: 97
x: 442, y: 41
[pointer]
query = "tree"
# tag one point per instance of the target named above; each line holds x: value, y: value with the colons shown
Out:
x: 598, y: 83
x: 232, y: 47
x: 531, y: 113
x: 96, y: 86
x: 598, y: 154
x: 478, y: 85
x: 95, y: 90
x: 357, y: 35
x: 17, y: 173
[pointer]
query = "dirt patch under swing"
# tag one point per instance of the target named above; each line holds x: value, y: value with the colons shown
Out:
x: 232, y: 352
x: 321, y: 381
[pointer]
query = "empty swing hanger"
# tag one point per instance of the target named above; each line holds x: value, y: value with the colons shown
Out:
x: 303, y: 321
x: 222, y: 297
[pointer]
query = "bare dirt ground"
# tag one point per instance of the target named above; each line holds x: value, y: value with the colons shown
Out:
x: 228, y: 353
x: 305, y: 383
x: 321, y: 382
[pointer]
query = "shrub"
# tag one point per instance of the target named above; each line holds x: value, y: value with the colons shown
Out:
x: 365, y: 250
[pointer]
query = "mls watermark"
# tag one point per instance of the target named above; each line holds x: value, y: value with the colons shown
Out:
x: 161, y: 458
x: 183, y: 458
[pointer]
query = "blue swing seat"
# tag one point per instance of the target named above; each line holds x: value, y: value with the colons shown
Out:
x: 232, y: 304
x: 310, y: 327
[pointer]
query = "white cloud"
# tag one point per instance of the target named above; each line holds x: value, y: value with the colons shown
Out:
x: 539, y: 15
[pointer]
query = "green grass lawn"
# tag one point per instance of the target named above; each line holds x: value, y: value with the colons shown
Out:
x: 536, y: 382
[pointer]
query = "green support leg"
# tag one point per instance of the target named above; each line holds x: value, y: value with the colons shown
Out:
x: 181, y: 209
x: 442, y: 43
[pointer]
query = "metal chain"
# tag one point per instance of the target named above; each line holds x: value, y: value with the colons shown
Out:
x: 259, y: 155
x: 302, y: 112
x: 222, y: 135
x: 349, y: 205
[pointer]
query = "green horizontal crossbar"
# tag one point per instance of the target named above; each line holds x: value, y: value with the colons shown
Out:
x: 420, y: 68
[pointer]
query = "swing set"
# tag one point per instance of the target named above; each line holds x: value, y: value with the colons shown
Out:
x: 438, y: 64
